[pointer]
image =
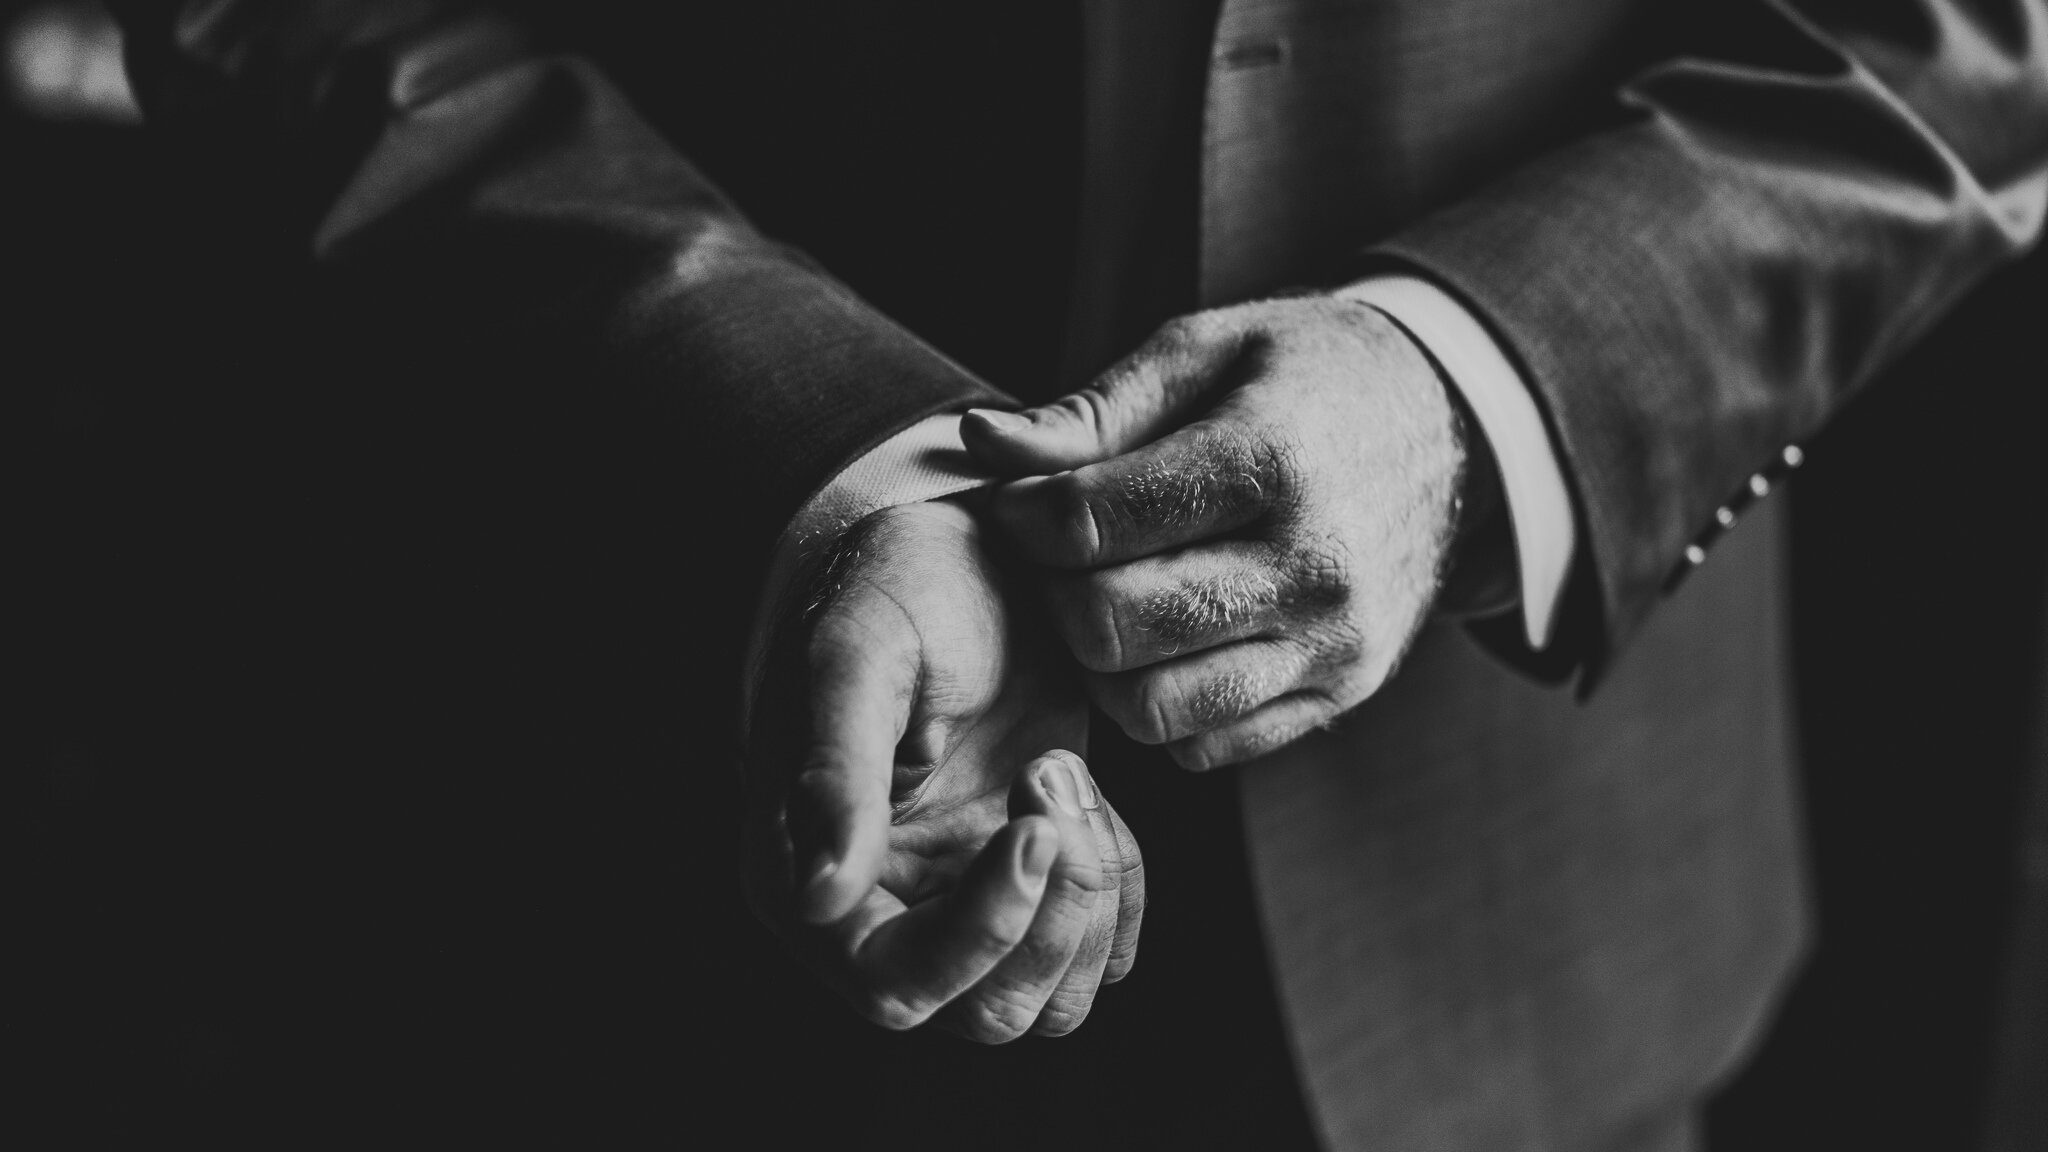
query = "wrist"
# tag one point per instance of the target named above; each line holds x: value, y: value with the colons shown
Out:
x: 1477, y: 574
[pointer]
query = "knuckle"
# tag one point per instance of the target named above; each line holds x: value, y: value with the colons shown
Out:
x: 1213, y: 750
x: 1240, y: 467
x: 1197, y: 755
x: 1062, y: 1015
x: 1176, y: 617
x: 1152, y: 722
x: 1154, y: 497
x: 1089, y: 616
x: 1322, y: 576
x: 890, y: 1011
x: 1341, y: 646
x: 1104, y: 631
x: 1326, y: 708
x: 1225, y: 698
x: 999, y: 935
x: 1080, y: 519
x: 1239, y: 598
x: 1320, y: 711
x: 1266, y: 738
x: 1333, y: 649
x: 996, y: 1016
x: 1277, y: 450
x: 1090, y: 407
x: 1078, y: 884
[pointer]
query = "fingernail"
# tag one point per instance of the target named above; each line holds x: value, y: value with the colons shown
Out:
x: 1001, y: 421
x: 1056, y: 780
x: 1035, y: 856
x: 1083, y: 787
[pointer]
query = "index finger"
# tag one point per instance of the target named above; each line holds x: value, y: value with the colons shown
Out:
x: 898, y: 965
x: 1208, y: 478
x: 1018, y: 993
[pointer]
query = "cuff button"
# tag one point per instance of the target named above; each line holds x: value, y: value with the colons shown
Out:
x: 1793, y: 456
x: 1759, y: 485
x: 1724, y: 516
x: 1695, y: 555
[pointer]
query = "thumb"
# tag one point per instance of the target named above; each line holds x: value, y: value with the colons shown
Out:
x: 1148, y: 393
x: 863, y: 675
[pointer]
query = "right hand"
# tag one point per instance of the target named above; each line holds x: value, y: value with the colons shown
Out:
x: 916, y: 832
x: 1244, y: 523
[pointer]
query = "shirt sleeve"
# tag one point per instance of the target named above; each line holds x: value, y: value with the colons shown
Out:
x: 927, y: 461
x: 923, y: 462
x: 1539, y: 505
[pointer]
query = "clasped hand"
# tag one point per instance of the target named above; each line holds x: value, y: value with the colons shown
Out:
x: 921, y: 834
x: 1236, y: 532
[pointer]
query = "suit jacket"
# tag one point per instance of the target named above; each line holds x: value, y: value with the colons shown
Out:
x: 1501, y: 914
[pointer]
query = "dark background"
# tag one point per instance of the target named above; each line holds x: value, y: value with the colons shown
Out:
x: 201, y: 504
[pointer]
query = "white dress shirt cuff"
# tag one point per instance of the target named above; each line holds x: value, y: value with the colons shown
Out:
x: 923, y: 462
x: 1539, y: 505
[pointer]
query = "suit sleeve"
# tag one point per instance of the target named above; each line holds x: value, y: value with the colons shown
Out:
x: 442, y: 163
x: 1789, y: 202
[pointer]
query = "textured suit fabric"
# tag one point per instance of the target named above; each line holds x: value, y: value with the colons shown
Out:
x: 1498, y: 918
x: 1720, y: 274
x: 445, y: 169
x: 1782, y: 197
x: 1581, y: 915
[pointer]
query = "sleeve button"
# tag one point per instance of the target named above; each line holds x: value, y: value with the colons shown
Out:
x: 1759, y: 485
x: 1695, y: 555
x: 1793, y: 456
x: 1724, y: 516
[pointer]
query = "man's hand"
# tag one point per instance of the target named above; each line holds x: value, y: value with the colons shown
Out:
x: 1249, y: 518
x: 916, y: 842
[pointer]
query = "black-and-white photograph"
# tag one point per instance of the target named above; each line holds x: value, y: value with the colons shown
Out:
x: 1056, y: 576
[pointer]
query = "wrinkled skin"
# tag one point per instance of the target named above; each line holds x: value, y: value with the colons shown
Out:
x: 1244, y: 522
x: 921, y: 829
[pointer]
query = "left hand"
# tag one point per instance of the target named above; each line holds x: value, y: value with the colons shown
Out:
x: 917, y: 833
x: 1259, y: 507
